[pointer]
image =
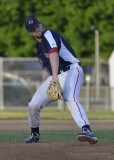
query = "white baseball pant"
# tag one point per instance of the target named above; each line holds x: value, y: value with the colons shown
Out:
x: 71, y: 82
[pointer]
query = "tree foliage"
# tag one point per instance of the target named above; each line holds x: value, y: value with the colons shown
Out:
x: 72, y: 18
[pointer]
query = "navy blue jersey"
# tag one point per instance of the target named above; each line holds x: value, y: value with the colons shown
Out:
x: 51, y: 42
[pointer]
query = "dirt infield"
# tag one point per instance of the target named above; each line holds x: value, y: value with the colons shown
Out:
x: 56, y: 150
x: 55, y: 125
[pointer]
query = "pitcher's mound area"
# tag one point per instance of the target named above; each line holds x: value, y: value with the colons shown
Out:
x: 56, y: 151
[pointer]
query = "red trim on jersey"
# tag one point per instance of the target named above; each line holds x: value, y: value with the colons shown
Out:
x: 52, y: 50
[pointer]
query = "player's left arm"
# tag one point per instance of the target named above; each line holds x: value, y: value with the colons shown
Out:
x: 51, y: 41
x: 54, y: 90
x: 54, y: 61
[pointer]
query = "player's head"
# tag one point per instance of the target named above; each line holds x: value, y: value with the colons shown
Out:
x: 34, y: 27
x: 31, y: 23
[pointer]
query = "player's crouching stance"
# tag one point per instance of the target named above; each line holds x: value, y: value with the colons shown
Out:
x: 64, y: 82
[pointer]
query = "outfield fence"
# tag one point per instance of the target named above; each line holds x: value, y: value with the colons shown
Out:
x: 20, y: 77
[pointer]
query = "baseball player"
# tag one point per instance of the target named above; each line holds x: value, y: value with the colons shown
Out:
x: 66, y: 76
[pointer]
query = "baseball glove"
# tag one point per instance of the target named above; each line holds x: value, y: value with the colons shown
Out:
x: 54, y: 91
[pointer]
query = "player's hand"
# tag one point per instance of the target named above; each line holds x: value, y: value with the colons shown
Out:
x: 54, y: 91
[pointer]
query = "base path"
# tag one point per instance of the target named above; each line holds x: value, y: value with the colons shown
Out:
x: 55, y: 125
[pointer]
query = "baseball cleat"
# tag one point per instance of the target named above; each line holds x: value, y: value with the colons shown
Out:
x: 87, y: 136
x: 34, y: 138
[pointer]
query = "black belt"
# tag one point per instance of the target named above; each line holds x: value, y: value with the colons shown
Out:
x: 67, y: 68
x: 64, y: 69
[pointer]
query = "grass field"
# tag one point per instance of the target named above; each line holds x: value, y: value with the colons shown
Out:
x: 54, y: 136
x: 62, y: 135
x: 54, y: 114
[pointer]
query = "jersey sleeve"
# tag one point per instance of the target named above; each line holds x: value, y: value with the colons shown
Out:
x: 51, y: 42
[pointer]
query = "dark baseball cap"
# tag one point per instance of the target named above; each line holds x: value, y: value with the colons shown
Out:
x: 31, y: 23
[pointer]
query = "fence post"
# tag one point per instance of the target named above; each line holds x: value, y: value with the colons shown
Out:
x: 111, y: 79
x: 88, y: 78
x: 1, y: 85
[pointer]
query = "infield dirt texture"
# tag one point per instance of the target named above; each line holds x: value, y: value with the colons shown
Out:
x: 56, y: 150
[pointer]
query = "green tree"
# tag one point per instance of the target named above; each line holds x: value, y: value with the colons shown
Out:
x: 72, y: 18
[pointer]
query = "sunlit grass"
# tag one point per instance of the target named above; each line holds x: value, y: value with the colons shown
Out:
x: 53, y: 114
x: 13, y: 114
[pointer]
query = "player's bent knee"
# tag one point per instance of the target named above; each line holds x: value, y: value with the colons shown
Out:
x: 32, y: 107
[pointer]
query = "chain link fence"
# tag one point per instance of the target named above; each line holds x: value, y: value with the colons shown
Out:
x: 20, y: 77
